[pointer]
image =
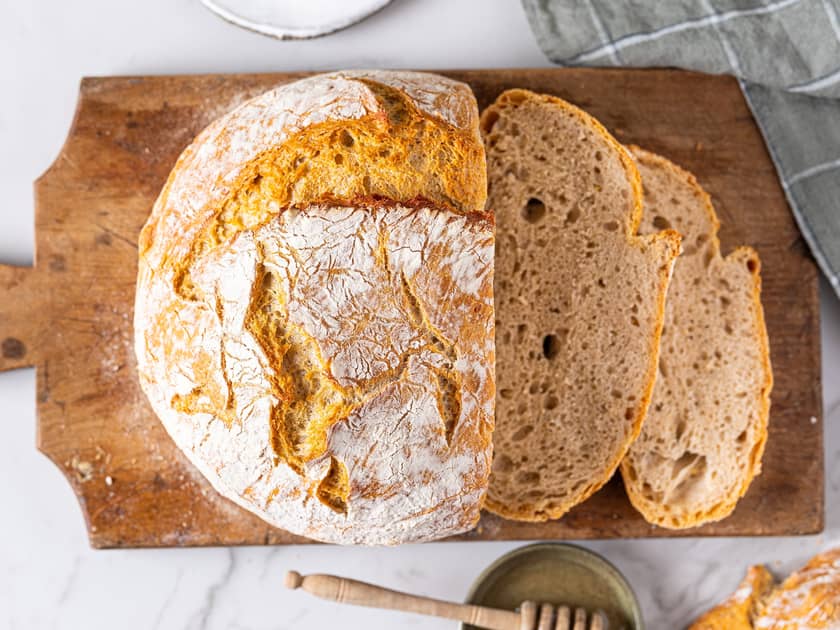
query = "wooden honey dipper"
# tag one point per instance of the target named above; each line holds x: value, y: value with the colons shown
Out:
x: 531, y: 615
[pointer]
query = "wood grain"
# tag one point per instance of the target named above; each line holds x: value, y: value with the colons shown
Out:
x: 70, y: 315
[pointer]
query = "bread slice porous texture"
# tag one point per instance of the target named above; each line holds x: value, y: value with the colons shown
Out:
x: 579, y: 302
x: 704, y: 436
x: 314, y: 310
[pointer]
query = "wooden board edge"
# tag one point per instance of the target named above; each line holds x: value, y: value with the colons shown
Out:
x: 103, y: 541
x: 66, y: 469
x: 817, y: 389
x: 84, y: 85
x: 21, y: 330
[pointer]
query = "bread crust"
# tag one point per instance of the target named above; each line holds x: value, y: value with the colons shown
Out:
x: 666, y: 244
x: 740, y: 610
x: 322, y: 350
x: 656, y: 512
x: 808, y: 598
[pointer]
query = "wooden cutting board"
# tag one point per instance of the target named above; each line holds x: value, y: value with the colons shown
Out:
x: 70, y: 315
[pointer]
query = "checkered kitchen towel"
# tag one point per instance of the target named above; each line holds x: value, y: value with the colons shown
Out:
x: 786, y: 55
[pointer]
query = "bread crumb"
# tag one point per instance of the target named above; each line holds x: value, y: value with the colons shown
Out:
x: 109, y: 480
x: 82, y: 468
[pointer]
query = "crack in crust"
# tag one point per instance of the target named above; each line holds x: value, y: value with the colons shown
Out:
x: 448, y: 381
x: 375, y: 156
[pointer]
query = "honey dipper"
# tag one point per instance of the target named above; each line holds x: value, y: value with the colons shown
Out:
x: 531, y: 615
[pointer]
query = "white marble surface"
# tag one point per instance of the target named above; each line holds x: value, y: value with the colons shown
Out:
x: 49, y: 578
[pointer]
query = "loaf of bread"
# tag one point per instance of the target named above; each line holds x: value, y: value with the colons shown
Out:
x: 579, y: 303
x: 314, y: 313
x: 807, y: 599
x: 702, y: 442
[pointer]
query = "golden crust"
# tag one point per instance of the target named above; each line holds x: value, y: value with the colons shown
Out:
x: 740, y: 610
x: 667, y: 243
x: 652, y: 510
x: 307, y: 149
x: 808, y: 598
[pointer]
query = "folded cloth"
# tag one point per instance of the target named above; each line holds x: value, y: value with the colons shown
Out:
x: 786, y: 55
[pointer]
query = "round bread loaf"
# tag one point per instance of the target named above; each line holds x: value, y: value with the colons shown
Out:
x: 314, y: 314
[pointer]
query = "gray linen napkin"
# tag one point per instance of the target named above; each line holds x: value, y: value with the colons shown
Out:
x: 786, y: 55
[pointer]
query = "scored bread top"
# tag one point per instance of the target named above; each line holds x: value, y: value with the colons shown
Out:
x: 579, y: 303
x: 322, y: 348
x: 702, y: 442
x: 396, y: 135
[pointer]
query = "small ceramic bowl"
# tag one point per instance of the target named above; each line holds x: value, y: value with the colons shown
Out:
x: 562, y: 575
x: 294, y: 19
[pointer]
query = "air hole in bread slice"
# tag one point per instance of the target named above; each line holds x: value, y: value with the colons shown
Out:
x: 502, y: 464
x: 522, y: 433
x: 527, y: 478
x: 534, y: 210
x: 661, y: 223
x: 551, y: 346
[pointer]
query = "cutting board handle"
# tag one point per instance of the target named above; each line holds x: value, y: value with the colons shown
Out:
x: 21, y: 324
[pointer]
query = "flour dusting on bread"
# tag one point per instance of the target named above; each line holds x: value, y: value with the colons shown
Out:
x: 322, y: 349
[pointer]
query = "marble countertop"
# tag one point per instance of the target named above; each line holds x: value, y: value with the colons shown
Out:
x: 49, y: 577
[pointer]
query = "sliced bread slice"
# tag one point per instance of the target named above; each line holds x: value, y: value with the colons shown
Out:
x: 579, y: 304
x: 702, y: 442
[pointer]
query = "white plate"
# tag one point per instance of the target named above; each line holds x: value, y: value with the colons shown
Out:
x: 294, y: 19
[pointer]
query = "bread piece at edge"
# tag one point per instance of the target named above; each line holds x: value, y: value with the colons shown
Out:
x: 530, y: 439
x: 739, y: 610
x: 808, y: 598
x: 688, y: 503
